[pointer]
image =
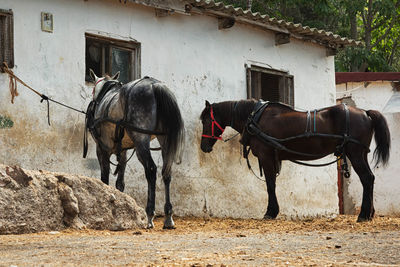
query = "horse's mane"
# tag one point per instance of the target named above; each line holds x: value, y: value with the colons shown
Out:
x: 244, y: 108
x: 203, y: 113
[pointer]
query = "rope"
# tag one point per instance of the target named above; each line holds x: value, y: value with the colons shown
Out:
x: 14, y: 79
x: 12, y: 83
x: 230, y: 138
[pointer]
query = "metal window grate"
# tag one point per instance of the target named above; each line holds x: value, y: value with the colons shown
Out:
x: 6, y: 38
x: 270, y: 84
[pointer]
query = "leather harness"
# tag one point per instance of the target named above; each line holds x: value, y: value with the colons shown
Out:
x: 120, y: 125
x: 252, y: 129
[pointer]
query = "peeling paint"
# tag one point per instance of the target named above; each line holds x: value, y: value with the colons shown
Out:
x: 6, y: 122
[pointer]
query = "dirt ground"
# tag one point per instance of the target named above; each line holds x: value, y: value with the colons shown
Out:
x: 215, y: 242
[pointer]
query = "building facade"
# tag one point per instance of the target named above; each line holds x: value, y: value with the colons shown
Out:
x: 378, y: 91
x: 203, y: 51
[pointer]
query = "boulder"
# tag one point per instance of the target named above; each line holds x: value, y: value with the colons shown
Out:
x: 35, y: 201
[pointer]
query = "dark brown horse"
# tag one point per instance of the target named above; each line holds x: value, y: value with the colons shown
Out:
x: 276, y: 132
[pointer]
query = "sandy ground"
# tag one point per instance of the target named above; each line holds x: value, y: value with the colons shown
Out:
x: 215, y: 242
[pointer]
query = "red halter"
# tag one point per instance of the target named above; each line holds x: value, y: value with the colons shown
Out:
x: 214, y: 122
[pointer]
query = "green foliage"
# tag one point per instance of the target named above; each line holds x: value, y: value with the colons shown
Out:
x: 358, y: 57
x: 375, y: 22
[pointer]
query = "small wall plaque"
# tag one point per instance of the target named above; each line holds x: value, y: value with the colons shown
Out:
x: 47, y: 22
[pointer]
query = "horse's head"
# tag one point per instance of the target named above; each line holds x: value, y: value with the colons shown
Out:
x: 212, y: 130
x: 100, y: 81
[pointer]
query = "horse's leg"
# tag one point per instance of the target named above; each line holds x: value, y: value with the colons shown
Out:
x: 166, y: 175
x: 104, y: 160
x: 150, y: 168
x: 359, y: 161
x: 120, y: 183
x: 168, y: 222
x: 270, y: 172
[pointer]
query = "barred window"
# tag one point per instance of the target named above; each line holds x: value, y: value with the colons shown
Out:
x: 6, y: 38
x: 270, y: 85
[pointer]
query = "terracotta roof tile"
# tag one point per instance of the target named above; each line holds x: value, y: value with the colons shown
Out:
x: 298, y: 31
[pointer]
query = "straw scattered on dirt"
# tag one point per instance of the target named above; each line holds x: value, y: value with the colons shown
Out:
x: 215, y: 242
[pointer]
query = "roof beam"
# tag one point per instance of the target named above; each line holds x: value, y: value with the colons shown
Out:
x: 225, y: 23
x: 282, y: 38
x: 160, y: 12
x: 331, y: 52
x: 238, y: 19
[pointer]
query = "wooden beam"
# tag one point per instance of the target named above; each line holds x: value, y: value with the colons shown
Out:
x: 177, y: 6
x: 225, y: 23
x: 331, y: 52
x: 239, y: 19
x: 282, y: 38
x: 162, y: 12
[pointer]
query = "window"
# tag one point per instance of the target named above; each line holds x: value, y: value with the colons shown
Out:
x: 6, y: 38
x: 271, y: 85
x: 108, y: 56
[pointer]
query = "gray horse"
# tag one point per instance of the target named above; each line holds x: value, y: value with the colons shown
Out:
x: 128, y: 116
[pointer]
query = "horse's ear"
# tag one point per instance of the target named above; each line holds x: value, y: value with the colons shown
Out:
x: 93, y: 75
x: 207, y: 103
x: 116, y: 76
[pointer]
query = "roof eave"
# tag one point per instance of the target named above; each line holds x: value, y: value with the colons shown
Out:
x: 297, y: 31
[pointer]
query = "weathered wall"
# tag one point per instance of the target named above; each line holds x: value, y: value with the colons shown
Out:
x: 386, y: 196
x: 198, y: 62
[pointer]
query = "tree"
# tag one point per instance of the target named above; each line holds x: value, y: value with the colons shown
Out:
x: 378, y: 26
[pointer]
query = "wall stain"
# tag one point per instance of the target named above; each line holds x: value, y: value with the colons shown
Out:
x: 30, y: 136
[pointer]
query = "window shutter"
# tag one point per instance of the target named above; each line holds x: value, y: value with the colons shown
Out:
x: 253, y: 84
x: 248, y: 78
x: 6, y: 38
x: 290, y: 90
x: 286, y: 92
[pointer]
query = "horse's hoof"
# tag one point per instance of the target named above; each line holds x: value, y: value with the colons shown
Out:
x: 361, y: 219
x: 150, y: 224
x: 269, y: 217
x: 169, y: 223
x: 120, y: 187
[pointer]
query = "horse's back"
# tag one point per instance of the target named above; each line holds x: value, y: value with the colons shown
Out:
x: 281, y: 121
x: 110, y: 106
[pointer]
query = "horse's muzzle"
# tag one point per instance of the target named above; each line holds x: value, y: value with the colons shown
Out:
x: 206, y: 149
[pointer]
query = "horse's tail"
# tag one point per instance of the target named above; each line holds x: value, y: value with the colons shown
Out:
x: 382, y: 137
x: 169, y: 115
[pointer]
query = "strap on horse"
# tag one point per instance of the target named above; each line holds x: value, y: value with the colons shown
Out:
x: 90, y: 122
x: 120, y: 125
x: 252, y: 128
x: 254, y: 116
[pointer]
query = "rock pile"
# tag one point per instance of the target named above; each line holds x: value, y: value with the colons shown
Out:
x: 35, y: 201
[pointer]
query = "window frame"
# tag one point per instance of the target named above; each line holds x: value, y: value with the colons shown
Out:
x: 286, y: 84
x: 110, y: 42
x: 7, y: 44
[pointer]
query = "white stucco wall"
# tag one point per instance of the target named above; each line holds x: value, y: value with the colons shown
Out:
x: 198, y: 62
x: 386, y: 195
